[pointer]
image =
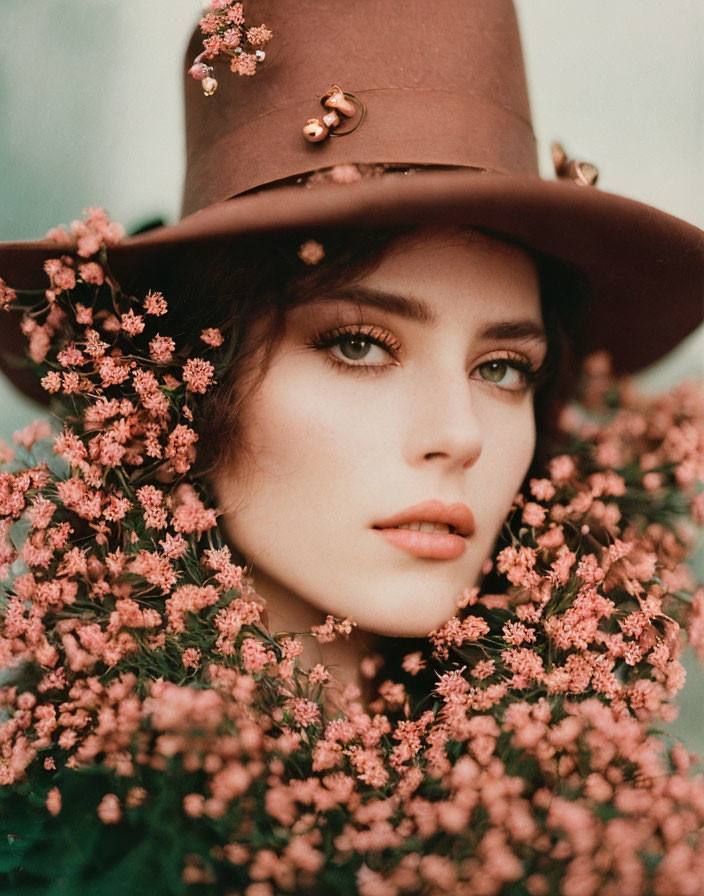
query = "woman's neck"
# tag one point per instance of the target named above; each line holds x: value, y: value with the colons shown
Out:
x: 287, y: 612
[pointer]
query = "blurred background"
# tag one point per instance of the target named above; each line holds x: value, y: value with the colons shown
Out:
x: 90, y: 105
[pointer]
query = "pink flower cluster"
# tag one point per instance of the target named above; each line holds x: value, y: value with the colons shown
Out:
x: 87, y: 238
x: 131, y: 641
x: 226, y: 33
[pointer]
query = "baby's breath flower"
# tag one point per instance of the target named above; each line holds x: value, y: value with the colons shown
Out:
x: 144, y: 650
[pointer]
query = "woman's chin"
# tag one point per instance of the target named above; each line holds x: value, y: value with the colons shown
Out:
x: 404, y: 621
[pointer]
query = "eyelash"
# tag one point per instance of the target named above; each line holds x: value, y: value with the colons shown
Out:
x: 382, y: 338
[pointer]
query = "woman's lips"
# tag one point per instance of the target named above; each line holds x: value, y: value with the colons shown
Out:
x: 430, y: 545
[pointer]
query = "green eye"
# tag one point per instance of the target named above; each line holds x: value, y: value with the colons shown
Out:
x: 494, y: 371
x: 354, y: 347
x: 511, y: 375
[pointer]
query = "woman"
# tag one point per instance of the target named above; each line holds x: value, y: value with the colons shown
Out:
x: 277, y: 461
x: 383, y: 304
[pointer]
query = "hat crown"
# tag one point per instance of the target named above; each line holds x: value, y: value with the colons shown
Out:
x: 441, y: 84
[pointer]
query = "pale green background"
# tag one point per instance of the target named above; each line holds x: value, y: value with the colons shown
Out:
x: 90, y: 115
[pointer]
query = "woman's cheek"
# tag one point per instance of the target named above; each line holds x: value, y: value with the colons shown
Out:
x: 507, y: 455
x: 306, y: 433
x: 307, y: 413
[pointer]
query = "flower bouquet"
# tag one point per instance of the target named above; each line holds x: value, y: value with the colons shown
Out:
x: 155, y: 737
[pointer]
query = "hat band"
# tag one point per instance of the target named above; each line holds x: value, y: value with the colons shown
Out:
x: 407, y: 126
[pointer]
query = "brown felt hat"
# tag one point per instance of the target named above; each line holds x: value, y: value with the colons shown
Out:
x: 436, y: 90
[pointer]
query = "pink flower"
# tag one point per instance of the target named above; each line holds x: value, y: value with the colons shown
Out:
x: 180, y: 450
x: 212, y: 46
x: 78, y: 497
x: 468, y: 598
x: 151, y: 499
x: 456, y: 632
x: 188, y: 599
x: 305, y: 712
x: 71, y: 356
x: 697, y: 509
x: 517, y: 564
x: 132, y: 323
x: 526, y: 665
x: 69, y: 446
x: 147, y: 387
x: 193, y: 516
x: 231, y: 39
x: 33, y: 432
x: 695, y: 624
x: 212, y: 336
x: 246, y: 65
x: 193, y: 804
x: 135, y: 797
x: 41, y: 512
x: 129, y: 614
x: 191, y: 657
x: 155, y: 304
x: 161, y: 349
x: 255, y: 656
x: 61, y: 236
x: 90, y: 272
x: 345, y: 174
x: 319, y: 675
x: 229, y: 575
x: 533, y: 514
x: 6, y: 453
x: 53, y: 801
x: 51, y: 382
x: 230, y: 619
x: 344, y: 626
x: 94, y: 346
x: 7, y: 295
x: 259, y: 36
x: 542, y: 489
x: 484, y: 669
x: 372, y: 883
x: 39, y: 344
x: 452, y: 685
x: 61, y: 275
x: 198, y: 375
x: 311, y: 252
x: 413, y: 663
x: 325, y: 633
x: 209, y: 24
x: 551, y: 538
x: 95, y: 231
x: 109, y: 811
x: 562, y: 468
x: 235, y: 14
x: 173, y: 546
x: 368, y: 766
x: 516, y: 633
x: 84, y: 314
x: 112, y: 371
x: 117, y: 507
x: 156, y: 569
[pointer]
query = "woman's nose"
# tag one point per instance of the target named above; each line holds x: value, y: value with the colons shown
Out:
x: 445, y: 427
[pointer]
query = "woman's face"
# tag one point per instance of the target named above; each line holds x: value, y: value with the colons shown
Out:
x: 411, y: 385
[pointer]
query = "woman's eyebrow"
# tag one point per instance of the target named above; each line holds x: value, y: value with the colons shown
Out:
x: 416, y: 310
x: 514, y: 329
x: 393, y: 302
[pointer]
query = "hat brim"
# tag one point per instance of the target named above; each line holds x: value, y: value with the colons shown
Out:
x: 645, y: 267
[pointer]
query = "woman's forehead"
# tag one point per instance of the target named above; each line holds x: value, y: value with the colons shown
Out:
x: 430, y: 274
x: 433, y: 248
